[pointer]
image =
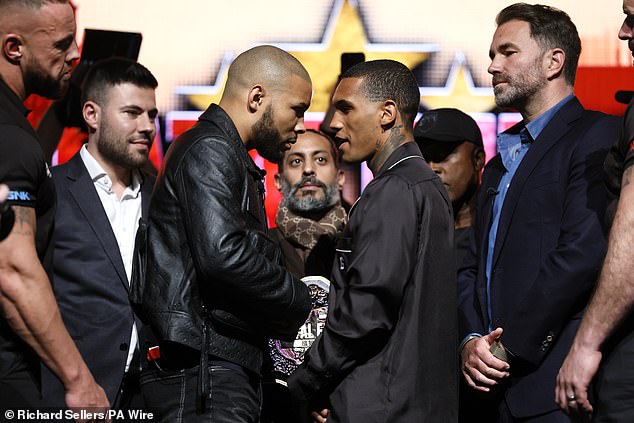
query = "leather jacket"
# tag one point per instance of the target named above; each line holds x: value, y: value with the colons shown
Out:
x: 205, y: 258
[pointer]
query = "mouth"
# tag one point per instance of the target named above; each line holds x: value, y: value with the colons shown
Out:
x: 340, y: 142
x: 142, y: 144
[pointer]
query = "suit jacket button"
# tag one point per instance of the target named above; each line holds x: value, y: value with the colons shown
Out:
x: 123, y: 347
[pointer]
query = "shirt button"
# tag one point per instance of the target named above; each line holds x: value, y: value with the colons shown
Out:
x: 123, y: 347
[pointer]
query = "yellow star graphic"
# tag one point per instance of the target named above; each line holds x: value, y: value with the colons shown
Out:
x: 459, y: 91
x: 344, y: 33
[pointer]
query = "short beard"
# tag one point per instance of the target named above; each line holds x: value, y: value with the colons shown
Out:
x: 115, y: 149
x: 519, y: 89
x: 38, y: 81
x: 309, y: 204
x: 266, y: 138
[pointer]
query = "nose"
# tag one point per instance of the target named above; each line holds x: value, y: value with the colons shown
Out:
x: 626, y: 33
x: 299, y: 126
x: 308, y: 169
x: 146, y: 125
x: 494, y: 67
x: 73, y: 52
x: 335, y: 123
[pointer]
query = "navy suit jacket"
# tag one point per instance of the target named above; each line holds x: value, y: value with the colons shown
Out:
x: 548, y: 252
x: 90, y: 282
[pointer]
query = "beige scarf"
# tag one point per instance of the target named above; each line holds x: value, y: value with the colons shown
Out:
x: 306, y: 232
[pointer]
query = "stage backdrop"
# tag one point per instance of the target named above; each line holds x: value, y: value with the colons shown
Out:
x: 189, y: 44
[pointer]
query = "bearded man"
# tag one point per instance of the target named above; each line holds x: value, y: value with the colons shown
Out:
x: 102, y: 193
x: 539, y: 240
x: 308, y: 218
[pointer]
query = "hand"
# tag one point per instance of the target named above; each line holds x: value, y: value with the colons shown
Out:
x: 87, y: 395
x: 4, y: 192
x: 320, y: 416
x: 481, y: 369
x: 575, y: 375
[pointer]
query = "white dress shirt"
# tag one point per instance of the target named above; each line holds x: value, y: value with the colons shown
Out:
x: 123, y: 215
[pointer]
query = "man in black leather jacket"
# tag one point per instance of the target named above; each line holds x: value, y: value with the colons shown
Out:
x: 208, y: 279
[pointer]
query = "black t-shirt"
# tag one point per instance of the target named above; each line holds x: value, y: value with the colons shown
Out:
x: 24, y: 169
x: 462, y: 239
x: 619, y: 158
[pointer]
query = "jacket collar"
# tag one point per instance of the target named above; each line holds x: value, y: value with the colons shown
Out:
x: 215, y: 115
x: 404, y: 151
x: 557, y: 128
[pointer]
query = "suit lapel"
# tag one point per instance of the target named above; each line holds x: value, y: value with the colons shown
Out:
x: 146, y: 192
x: 83, y: 191
x: 550, y: 135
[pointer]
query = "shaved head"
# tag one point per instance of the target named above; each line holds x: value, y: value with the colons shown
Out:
x: 266, y: 65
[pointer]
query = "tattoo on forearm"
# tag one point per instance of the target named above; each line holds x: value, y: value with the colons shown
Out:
x: 23, y: 221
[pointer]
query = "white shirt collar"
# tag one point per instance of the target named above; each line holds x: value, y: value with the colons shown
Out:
x: 101, y: 178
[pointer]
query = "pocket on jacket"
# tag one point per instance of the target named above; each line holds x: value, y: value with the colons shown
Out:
x: 343, y: 251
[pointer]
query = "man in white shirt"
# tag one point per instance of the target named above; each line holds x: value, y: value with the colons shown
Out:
x: 102, y: 193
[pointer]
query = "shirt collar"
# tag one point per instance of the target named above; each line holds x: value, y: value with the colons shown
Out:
x: 99, y: 176
x: 13, y: 98
x: 509, y: 142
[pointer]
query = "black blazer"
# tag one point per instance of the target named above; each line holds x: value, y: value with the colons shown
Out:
x: 549, y: 249
x: 90, y: 283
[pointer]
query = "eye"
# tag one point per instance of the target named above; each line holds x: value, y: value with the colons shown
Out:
x: 321, y: 160
x: 295, y: 162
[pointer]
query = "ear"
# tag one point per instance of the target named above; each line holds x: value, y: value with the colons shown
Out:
x: 256, y: 95
x: 13, y: 47
x: 92, y: 114
x: 478, y: 160
x: 278, y: 182
x: 341, y: 179
x: 555, y: 60
x: 388, y: 113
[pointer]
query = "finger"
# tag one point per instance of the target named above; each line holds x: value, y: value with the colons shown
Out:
x: 560, y: 396
x: 583, y: 404
x: 491, y: 337
x: 317, y: 417
x: 493, y: 369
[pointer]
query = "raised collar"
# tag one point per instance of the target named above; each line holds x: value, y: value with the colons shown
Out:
x: 217, y: 116
x: 404, y: 151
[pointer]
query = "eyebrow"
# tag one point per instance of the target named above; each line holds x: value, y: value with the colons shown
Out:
x: 342, y: 103
x: 503, y: 47
x: 65, y: 42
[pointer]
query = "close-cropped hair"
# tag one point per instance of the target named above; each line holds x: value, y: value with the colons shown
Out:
x: 33, y: 4
x: 333, y: 149
x: 550, y: 28
x: 389, y: 80
x: 114, y: 71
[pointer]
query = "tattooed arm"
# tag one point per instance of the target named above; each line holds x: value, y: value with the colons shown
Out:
x: 28, y: 305
x: 610, y: 304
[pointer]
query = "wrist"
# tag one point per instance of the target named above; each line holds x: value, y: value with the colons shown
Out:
x: 468, y: 339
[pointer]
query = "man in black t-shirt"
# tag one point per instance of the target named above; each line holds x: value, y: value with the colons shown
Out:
x: 451, y: 142
x: 604, y: 344
x: 38, y: 48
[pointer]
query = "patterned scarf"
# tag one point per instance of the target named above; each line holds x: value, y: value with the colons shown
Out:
x: 306, y: 232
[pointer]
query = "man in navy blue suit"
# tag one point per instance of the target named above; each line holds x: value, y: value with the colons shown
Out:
x: 102, y: 193
x: 539, y: 240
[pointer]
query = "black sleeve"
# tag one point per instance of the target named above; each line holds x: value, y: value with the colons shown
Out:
x: 365, y: 300
x: 22, y: 165
x: 225, y: 251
